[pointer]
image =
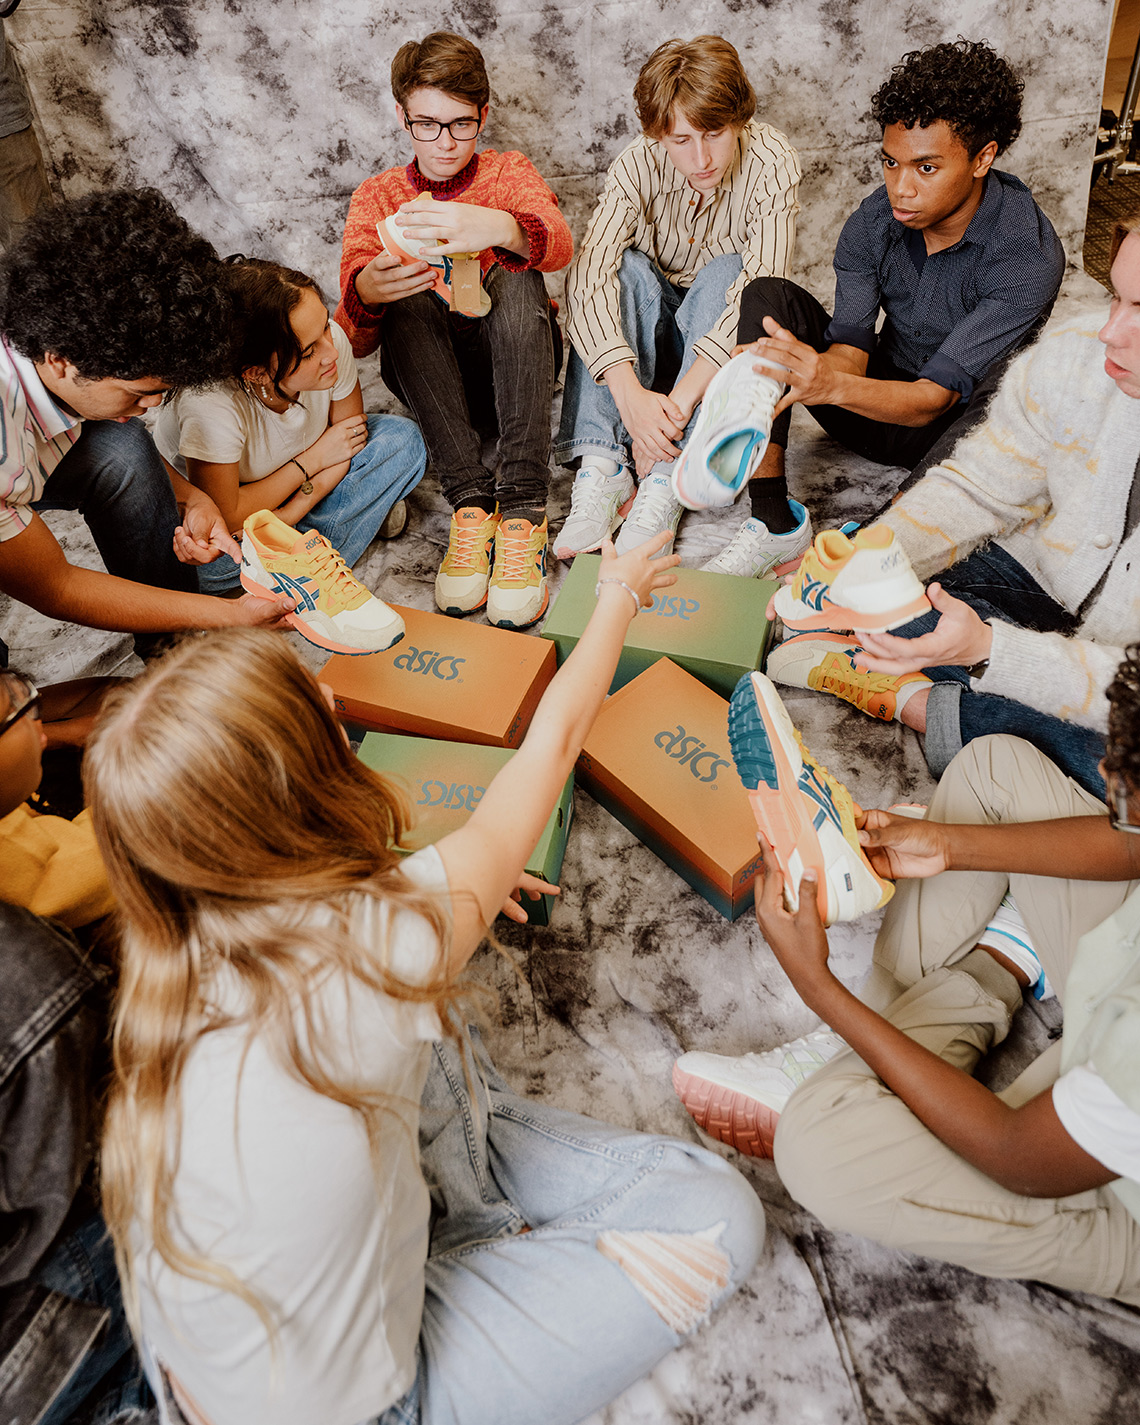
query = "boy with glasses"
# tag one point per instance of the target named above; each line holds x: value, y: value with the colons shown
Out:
x: 463, y: 376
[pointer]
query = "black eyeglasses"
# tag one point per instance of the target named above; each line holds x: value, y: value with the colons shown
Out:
x: 1117, y: 796
x: 428, y: 129
x: 25, y: 698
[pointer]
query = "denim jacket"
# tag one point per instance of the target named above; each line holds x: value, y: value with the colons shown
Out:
x: 53, y: 1017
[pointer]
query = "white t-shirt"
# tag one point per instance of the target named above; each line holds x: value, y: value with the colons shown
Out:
x: 1098, y: 1120
x: 223, y: 425
x: 277, y: 1183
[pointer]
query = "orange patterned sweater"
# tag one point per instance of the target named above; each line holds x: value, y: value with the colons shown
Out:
x: 507, y: 181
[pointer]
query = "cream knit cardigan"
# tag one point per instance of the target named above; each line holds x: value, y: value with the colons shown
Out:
x: 1047, y: 475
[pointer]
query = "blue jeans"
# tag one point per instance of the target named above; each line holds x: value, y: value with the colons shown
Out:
x: 389, y: 467
x: 995, y: 585
x: 545, y: 1325
x: 109, y: 1383
x: 661, y: 323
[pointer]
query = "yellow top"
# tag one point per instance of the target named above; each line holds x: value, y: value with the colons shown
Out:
x: 52, y: 866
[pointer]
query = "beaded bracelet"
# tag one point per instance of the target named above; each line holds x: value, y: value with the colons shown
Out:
x: 633, y: 594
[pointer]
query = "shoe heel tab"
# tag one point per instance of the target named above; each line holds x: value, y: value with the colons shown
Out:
x: 833, y: 547
x: 877, y: 536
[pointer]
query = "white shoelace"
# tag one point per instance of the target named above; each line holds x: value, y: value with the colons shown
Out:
x: 655, y: 506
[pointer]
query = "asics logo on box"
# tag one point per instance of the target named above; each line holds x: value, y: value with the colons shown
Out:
x: 456, y: 796
x: 691, y: 752
x: 445, y: 666
x: 672, y: 606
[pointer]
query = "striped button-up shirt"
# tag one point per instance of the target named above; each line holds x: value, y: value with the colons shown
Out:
x: 35, y: 435
x: 647, y: 204
x: 950, y: 314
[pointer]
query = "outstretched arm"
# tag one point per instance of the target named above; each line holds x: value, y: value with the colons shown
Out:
x: 485, y: 858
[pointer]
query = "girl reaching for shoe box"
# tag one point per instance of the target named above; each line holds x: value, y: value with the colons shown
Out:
x: 288, y: 431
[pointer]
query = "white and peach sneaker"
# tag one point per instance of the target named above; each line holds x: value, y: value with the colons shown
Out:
x: 865, y: 584
x: 333, y: 610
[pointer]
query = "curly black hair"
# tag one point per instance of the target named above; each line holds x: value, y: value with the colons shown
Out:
x: 966, y: 83
x: 1122, y: 753
x: 119, y: 285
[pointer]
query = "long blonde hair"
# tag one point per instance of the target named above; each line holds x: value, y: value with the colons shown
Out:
x: 228, y: 806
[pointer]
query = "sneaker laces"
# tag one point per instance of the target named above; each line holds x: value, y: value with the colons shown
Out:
x: 736, y: 557
x: 654, y: 510
x: 513, y: 555
x: 588, y: 498
x: 340, y: 587
x: 799, y: 1058
x: 851, y: 683
x: 466, y: 543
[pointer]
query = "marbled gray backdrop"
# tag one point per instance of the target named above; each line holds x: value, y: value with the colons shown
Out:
x: 259, y: 117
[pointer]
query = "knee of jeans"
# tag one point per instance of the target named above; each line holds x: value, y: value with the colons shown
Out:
x: 402, y: 437
x: 125, y: 448
x: 720, y: 273
x: 634, y: 263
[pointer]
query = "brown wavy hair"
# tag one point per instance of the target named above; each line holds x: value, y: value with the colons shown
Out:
x: 441, y: 60
x: 703, y: 79
x: 233, y: 818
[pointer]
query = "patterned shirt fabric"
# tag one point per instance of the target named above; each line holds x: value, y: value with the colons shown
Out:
x: 647, y: 204
x: 507, y: 181
x: 35, y: 435
x: 951, y: 314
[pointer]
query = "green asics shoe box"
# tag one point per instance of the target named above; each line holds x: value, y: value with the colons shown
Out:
x: 445, y: 782
x: 712, y: 625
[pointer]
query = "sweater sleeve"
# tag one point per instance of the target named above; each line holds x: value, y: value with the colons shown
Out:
x: 593, y: 294
x: 994, y: 481
x: 770, y: 216
x: 1065, y: 677
x: 522, y: 192
x: 361, y: 244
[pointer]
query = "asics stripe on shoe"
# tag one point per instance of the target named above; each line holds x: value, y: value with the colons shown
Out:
x: 807, y: 815
x: 755, y: 553
x: 861, y: 584
x: 334, y: 609
x: 738, y: 1099
x: 730, y: 435
x: 598, y: 504
x: 654, y: 510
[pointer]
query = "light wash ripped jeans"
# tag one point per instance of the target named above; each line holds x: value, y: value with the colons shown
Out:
x: 633, y: 1240
x: 389, y: 467
x: 662, y: 324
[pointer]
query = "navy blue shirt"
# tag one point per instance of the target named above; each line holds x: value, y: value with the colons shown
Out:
x: 951, y: 314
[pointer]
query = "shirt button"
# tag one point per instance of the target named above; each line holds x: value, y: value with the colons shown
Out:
x: 1103, y: 541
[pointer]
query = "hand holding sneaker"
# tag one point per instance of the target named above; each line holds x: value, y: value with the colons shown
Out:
x: 962, y: 638
x: 900, y: 848
x: 797, y: 937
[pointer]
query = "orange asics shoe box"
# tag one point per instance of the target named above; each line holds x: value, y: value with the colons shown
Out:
x: 466, y: 682
x: 713, y: 625
x: 658, y: 759
x: 446, y: 782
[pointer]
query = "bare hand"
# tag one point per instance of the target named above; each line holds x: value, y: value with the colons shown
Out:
x: 458, y: 227
x: 386, y: 279
x: 798, y: 939
x: 900, y: 848
x: 203, y: 535
x: 654, y: 422
x: 961, y: 638
x: 639, y: 569
x: 252, y: 611
x: 534, y: 888
x: 784, y: 357
x: 343, y: 439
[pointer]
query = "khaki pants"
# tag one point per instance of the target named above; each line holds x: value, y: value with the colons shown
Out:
x: 23, y: 183
x: 852, y: 1152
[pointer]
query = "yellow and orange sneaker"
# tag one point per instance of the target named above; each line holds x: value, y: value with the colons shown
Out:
x: 829, y: 662
x: 807, y: 815
x: 517, y: 594
x: 461, y: 583
x: 334, y: 609
x: 865, y: 583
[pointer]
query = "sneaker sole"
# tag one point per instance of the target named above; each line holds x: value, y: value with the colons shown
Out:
x: 507, y: 623
x: 834, y: 617
x: 455, y: 611
x: 310, y: 634
x: 765, y: 757
x: 623, y: 510
x: 726, y: 1115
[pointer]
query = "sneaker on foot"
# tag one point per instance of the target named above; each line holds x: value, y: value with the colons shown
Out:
x: 654, y: 509
x: 805, y: 813
x: 597, y: 504
x: 1006, y: 933
x: 730, y: 435
x: 517, y: 594
x: 864, y: 583
x: 334, y: 609
x: 461, y: 583
x: 738, y: 1099
x: 754, y: 553
x: 829, y: 663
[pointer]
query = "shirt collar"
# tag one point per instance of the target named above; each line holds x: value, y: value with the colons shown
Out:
x: 444, y: 187
x: 48, y: 416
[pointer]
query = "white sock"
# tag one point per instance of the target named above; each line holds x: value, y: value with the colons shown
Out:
x: 607, y: 467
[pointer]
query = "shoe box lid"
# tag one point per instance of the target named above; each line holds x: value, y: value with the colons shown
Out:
x: 467, y: 682
x: 445, y: 782
x: 713, y: 625
x: 658, y: 759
